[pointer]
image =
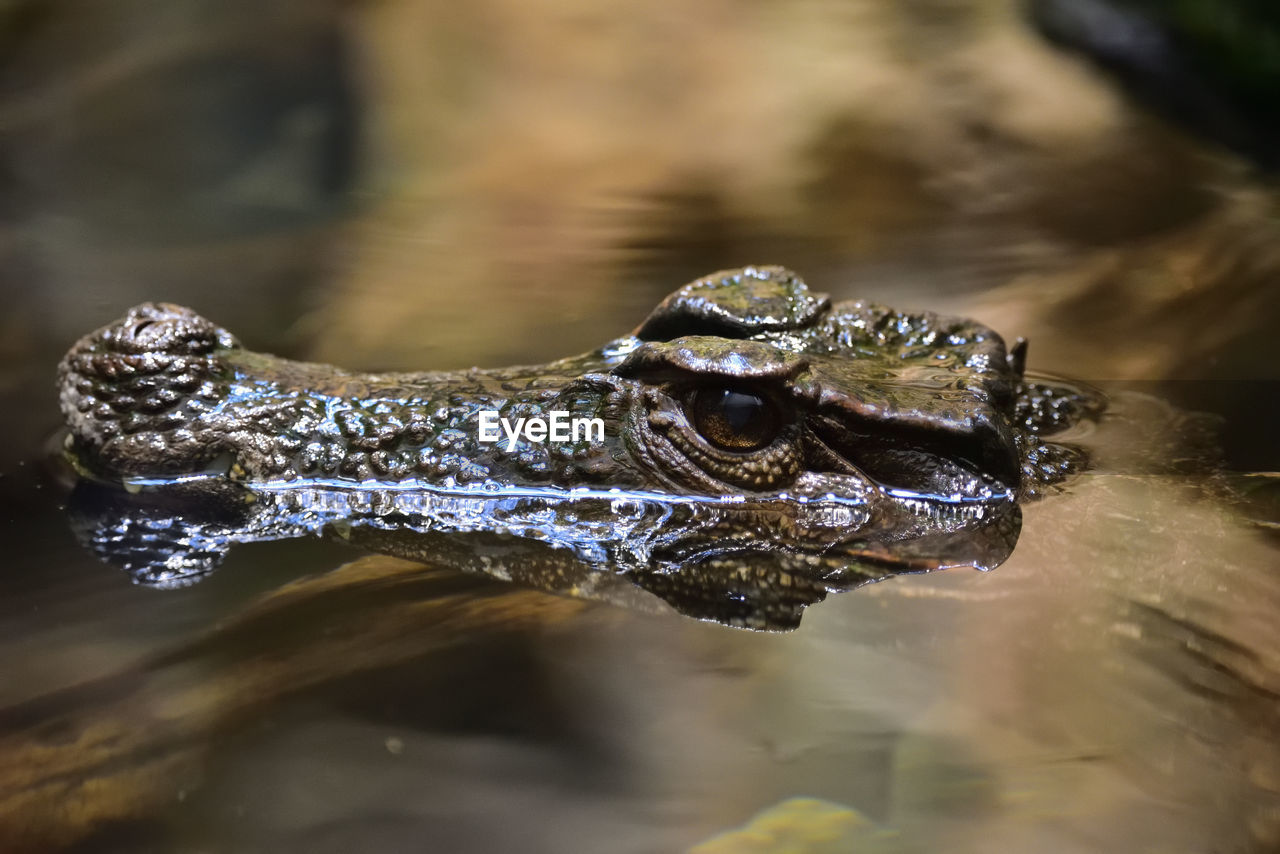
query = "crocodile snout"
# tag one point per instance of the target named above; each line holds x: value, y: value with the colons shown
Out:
x: 134, y: 390
x: 161, y: 328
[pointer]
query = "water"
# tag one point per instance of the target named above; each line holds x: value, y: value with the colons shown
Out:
x: 527, y: 181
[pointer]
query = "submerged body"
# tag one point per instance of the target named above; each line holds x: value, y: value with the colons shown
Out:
x: 754, y: 441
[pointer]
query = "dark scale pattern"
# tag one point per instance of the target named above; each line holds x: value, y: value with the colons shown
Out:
x: 1045, y: 407
x: 285, y: 430
x: 910, y: 401
x: 1045, y: 465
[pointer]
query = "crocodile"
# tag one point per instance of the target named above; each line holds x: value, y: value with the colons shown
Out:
x: 760, y: 446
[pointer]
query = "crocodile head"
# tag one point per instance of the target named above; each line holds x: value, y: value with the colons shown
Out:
x: 748, y: 433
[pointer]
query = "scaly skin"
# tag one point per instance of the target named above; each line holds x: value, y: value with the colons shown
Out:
x: 164, y: 391
x: 896, y: 442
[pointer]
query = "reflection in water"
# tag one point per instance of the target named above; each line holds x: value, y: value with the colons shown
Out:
x: 1112, y: 681
x: 752, y: 562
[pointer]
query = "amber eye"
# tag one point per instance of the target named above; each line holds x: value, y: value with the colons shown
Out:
x: 734, y: 420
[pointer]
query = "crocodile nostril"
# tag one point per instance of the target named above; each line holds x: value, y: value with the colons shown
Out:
x: 138, y: 330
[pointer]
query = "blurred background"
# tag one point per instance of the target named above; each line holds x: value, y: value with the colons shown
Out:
x: 408, y: 184
x: 418, y: 184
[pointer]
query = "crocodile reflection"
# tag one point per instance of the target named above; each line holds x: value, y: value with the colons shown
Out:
x: 738, y: 563
x: 762, y: 448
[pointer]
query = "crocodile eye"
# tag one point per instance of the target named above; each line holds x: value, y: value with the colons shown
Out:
x: 734, y: 420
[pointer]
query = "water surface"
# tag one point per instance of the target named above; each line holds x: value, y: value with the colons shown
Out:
x: 410, y: 186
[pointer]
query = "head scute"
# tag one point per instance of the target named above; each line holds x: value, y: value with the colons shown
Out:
x: 736, y: 304
x: 709, y: 356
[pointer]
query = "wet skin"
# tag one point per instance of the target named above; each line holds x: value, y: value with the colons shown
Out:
x: 761, y: 447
